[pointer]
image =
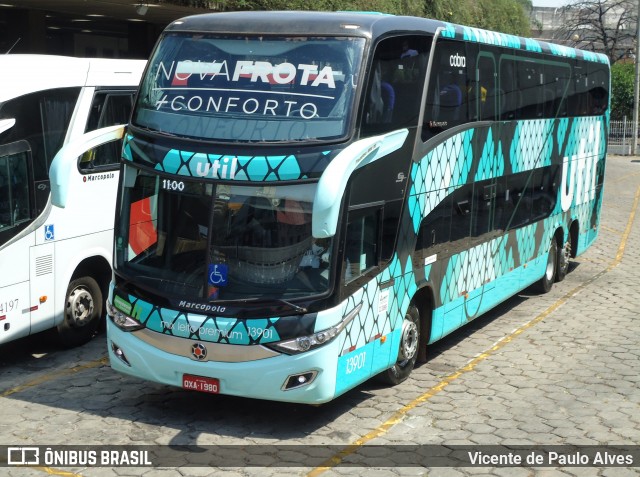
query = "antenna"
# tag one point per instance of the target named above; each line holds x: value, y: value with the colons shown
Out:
x: 12, y: 46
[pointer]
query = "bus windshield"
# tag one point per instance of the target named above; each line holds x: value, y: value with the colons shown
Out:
x: 250, y: 88
x: 203, y: 241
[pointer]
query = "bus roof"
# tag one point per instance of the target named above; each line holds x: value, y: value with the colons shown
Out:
x: 363, y: 24
x: 303, y: 23
x: 22, y: 74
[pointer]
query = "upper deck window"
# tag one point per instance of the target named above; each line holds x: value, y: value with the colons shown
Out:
x: 256, y: 88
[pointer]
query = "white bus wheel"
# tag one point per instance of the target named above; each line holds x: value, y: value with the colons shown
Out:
x: 82, y: 313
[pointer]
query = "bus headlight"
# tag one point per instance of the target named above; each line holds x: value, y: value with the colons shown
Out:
x: 306, y: 343
x: 122, y: 321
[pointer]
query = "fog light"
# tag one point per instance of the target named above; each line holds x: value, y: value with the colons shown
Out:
x: 298, y: 380
x: 119, y: 354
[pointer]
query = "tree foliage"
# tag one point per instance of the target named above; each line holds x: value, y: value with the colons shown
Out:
x: 396, y: 7
x: 607, y: 26
x: 507, y: 16
x: 622, y: 84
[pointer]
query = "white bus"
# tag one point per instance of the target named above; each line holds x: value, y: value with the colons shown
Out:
x: 59, y: 152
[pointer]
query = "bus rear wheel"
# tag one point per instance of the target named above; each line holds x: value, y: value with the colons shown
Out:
x: 564, y: 254
x: 546, y: 282
x: 408, y: 349
x: 82, y: 313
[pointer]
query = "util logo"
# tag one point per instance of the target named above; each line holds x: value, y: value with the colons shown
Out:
x: 581, y: 171
x: 457, y: 60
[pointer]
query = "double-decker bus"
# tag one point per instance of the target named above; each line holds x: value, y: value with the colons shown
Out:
x: 308, y: 200
x: 61, y: 123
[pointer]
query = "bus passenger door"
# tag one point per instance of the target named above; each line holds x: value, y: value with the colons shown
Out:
x: 16, y: 210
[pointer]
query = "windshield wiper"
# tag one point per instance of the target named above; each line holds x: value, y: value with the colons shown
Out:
x: 262, y: 301
x: 166, y: 280
x: 299, y: 309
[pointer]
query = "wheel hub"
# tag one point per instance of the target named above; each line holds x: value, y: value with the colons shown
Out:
x: 409, y: 340
x: 79, y: 307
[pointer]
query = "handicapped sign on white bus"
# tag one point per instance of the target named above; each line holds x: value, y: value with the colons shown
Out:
x: 49, y: 233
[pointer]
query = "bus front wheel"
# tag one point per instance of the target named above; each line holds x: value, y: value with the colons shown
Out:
x: 408, y: 349
x: 82, y: 313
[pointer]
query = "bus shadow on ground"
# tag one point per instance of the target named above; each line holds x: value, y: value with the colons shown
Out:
x: 455, y: 338
x: 151, y: 412
x: 31, y: 349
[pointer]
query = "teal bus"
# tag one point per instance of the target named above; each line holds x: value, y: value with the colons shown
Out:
x: 308, y: 200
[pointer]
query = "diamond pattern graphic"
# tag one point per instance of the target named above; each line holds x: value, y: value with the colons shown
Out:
x: 510, y: 41
x: 439, y: 173
x: 248, y: 168
x: 533, y: 146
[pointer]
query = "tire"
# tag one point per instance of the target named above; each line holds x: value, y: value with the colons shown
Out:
x: 564, y: 254
x: 82, y: 312
x: 408, y: 350
x: 546, y: 282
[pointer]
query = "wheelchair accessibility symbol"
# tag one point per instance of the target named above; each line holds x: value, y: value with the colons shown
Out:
x: 49, y: 234
x: 218, y: 274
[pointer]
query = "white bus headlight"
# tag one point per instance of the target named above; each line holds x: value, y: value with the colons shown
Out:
x: 122, y: 321
x: 306, y: 343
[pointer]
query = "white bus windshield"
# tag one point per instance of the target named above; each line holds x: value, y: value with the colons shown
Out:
x: 250, y: 88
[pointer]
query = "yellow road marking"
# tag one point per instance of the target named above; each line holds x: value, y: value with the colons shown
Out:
x: 51, y: 471
x: 55, y: 375
x: 609, y: 229
x: 627, y: 231
x: 401, y: 413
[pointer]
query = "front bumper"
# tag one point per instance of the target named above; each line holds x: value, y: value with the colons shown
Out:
x: 259, y: 378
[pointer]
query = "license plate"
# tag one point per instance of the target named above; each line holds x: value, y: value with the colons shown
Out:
x: 200, y: 383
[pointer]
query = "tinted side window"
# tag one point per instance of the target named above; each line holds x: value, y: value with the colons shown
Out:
x: 42, y: 119
x: 15, y: 194
x: 579, y: 98
x: 529, y: 84
x: 598, y: 88
x: 395, y: 85
x: 461, y: 203
x: 105, y: 156
x: 109, y: 108
x: 525, y: 197
x: 555, y: 85
x: 511, y: 97
x: 361, y: 243
x: 436, y: 227
x: 486, y: 91
x: 448, y: 96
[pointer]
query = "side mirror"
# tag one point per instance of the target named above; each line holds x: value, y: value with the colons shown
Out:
x: 64, y: 164
x: 333, y: 182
